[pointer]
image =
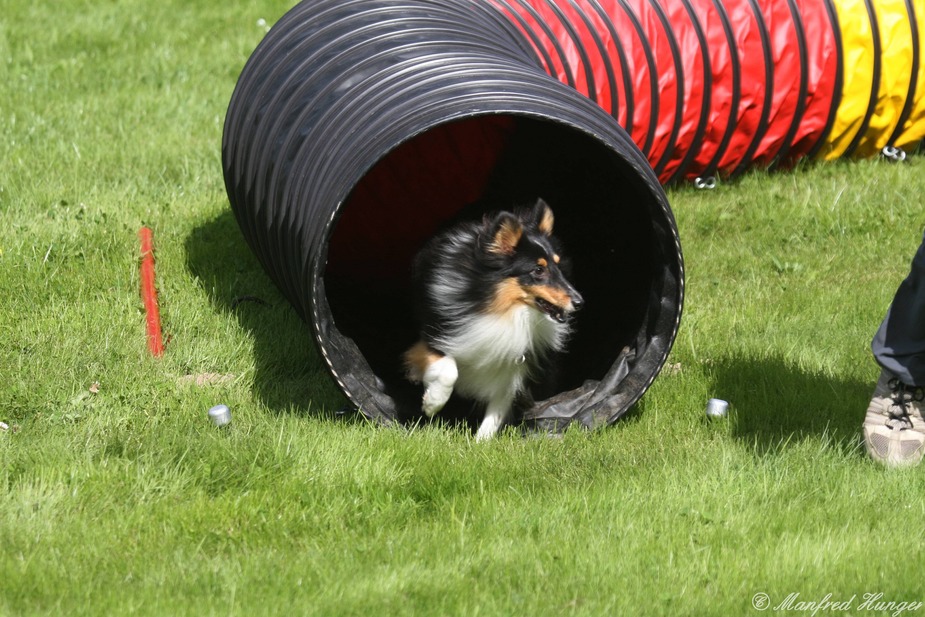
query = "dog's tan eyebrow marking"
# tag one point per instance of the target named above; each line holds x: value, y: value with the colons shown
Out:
x: 555, y: 258
x: 542, y: 262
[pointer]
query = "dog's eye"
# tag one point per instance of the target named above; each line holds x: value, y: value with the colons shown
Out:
x: 539, y: 272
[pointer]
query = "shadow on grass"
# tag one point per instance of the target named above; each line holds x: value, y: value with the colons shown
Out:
x: 290, y: 377
x: 776, y: 403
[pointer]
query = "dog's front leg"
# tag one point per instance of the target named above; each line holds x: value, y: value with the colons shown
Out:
x: 439, y: 379
x: 496, y: 414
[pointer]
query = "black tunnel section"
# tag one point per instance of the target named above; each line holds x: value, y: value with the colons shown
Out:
x: 358, y: 128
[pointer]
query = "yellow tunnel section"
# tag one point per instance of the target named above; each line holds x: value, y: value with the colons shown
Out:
x: 883, y: 78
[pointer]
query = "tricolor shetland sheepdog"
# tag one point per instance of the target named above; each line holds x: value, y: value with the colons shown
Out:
x: 492, y: 302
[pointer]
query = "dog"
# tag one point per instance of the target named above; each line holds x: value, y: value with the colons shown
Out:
x: 493, y: 303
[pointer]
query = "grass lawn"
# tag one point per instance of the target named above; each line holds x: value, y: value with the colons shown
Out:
x: 117, y: 496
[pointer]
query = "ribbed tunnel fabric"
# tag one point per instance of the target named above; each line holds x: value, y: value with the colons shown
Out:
x: 359, y: 127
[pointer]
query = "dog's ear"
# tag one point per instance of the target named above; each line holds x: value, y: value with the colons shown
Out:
x: 542, y: 217
x: 504, y: 232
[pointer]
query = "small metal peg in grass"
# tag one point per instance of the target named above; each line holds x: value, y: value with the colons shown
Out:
x: 220, y: 415
x: 717, y: 408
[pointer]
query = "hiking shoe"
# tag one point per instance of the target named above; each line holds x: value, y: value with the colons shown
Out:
x: 894, y: 431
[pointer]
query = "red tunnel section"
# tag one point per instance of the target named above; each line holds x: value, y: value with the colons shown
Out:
x: 703, y: 87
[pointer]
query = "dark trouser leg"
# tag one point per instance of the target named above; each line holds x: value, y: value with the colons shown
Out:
x: 899, y: 345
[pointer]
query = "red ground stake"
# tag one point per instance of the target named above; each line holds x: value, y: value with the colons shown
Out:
x: 149, y: 293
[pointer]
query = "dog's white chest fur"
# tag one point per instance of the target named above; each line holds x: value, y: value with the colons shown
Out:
x: 487, y: 360
x: 490, y: 351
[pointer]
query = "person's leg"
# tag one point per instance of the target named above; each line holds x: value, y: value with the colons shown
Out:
x: 894, y: 430
x: 899, y: 345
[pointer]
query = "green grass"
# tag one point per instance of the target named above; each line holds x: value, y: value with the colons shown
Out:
x: 118, y: 497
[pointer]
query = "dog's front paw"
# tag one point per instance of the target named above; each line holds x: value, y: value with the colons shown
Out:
x: 439, y: 379
x: 435, y: 398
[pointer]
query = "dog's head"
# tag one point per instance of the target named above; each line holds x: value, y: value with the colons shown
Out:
x: 520, y: 246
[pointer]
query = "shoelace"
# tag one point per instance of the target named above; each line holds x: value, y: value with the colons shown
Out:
x: 902, y: 395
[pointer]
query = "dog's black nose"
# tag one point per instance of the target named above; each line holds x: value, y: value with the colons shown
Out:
x: 577, y: 301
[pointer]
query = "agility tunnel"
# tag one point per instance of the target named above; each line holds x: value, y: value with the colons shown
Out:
x: 713, y: 87
x: 358, y: 127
